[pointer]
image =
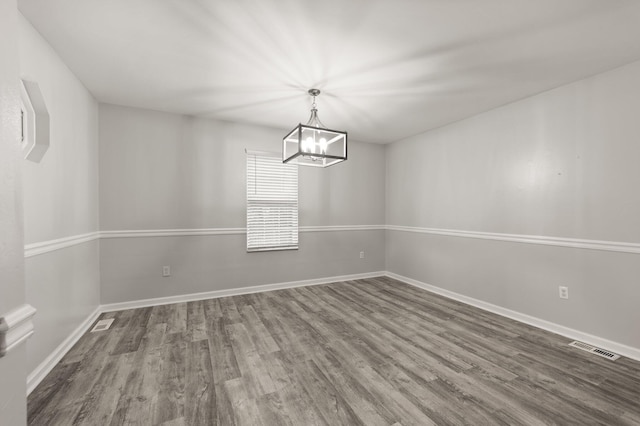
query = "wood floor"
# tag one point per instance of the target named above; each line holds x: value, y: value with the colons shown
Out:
x: 365, y: 352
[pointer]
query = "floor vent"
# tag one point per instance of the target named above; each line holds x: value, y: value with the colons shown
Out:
x: 102, y: 325
x: 600, y: 352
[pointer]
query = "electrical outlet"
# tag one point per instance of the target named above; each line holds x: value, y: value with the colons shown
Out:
x: 361, y: 255
x: 166, y: 271
x: 564, y: 292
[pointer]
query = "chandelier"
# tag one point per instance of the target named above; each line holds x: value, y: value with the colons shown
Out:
x: 312, y: 144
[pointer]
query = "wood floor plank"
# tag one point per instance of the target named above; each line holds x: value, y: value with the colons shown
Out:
x: 160, y: 314
x: 402, y: 344
x: 196, y: 321
x: 331, y: 403
x: 200, y: 397
x: 230, y: 310
x: 245, y: 407
x: 297, y: 401
x: 284, y: 333
x: 100, y: 403
x: 130, y: 341
x: 224, y: 405
x: 373, y: 344
x: 259, y: 334
x: 272, y: 410
x: 376, y: 393
x: 212, y: 308
x: 140, y: 394
x: 490, y: 324
x: 223, y: 358
x: 303, y: 374
x: 48, y: 395
x: 555, y: 379
x: 85, y: 343
x: 363, y: 352
x: 252, y: 368
x: 63, y: 415
x: 93, y: 363
x: 365, y: 404
x: 171, y: 392
x: 177, y: 318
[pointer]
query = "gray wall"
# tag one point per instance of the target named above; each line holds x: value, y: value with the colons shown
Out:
x: 168, y: 171
x: 13, y: 391
x: 561, y: 164
x: 60, y: 200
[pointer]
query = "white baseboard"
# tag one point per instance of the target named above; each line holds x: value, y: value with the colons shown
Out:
x: 619, y: 348
x: 41, y: 371
x: 233, y: 292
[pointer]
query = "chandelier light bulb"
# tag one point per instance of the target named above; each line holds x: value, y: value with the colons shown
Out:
x: 323, y: 146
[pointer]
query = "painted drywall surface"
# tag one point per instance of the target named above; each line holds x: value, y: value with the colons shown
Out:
x: 561, y: 164
x: 61, y: 200
x: 63, y: 285
x: 132, y: 267
x: 167, y: 171
x: 525, y: 278
x: 161, y: 170
x: 13, y: 402
x: 61, y: 191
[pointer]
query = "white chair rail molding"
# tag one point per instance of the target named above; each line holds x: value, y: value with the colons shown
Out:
x: 16, y: 327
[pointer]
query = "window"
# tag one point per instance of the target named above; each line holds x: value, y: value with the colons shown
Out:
x: 272, y: 203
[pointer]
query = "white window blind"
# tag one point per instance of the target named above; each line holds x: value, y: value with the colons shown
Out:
x: 272, y: 203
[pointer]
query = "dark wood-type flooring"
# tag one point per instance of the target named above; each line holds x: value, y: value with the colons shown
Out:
x: 365, y: 352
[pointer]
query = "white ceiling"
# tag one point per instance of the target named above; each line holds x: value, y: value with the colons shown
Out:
x: 387, y: 69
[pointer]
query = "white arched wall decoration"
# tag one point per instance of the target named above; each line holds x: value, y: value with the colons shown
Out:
x: 35, y: 122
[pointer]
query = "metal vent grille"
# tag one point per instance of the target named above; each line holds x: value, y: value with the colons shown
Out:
x: 102, y: 325
x: 594, y: 350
